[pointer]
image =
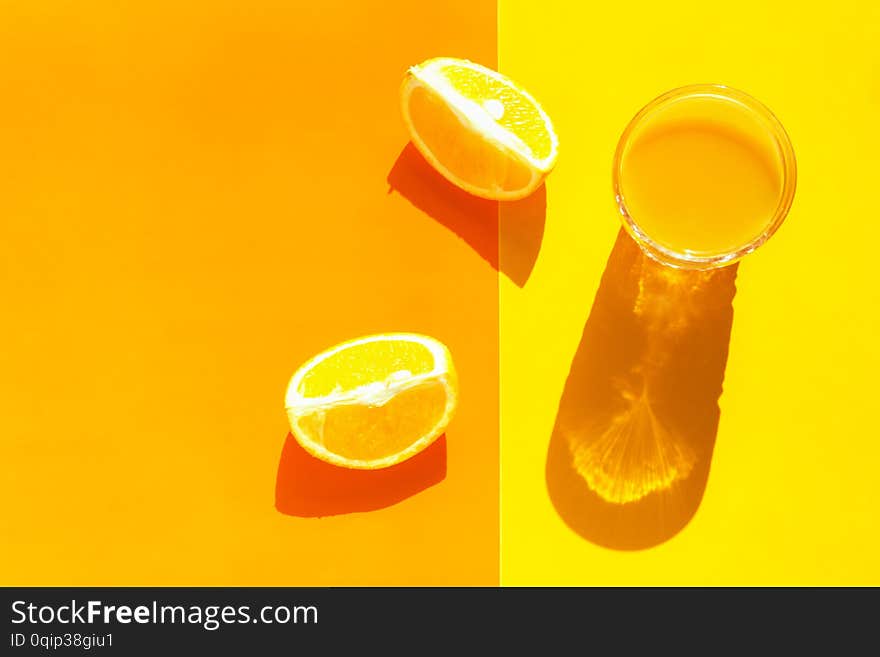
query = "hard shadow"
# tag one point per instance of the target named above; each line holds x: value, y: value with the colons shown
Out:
x: 473, y: 219
x: 310, y: 488
x: 630, y: 452
x: 520, y: 232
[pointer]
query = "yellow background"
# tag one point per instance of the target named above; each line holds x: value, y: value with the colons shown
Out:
x: 792, y: 496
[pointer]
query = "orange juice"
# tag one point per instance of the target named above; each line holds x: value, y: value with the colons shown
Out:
x: 703, y: 176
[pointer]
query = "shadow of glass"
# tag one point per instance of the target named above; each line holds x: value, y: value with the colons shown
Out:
x: 473, y: 219
x: 630, y: 452
x: 310, y: 488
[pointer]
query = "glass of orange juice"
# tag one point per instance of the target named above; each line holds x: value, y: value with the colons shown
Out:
x: 703, y: 175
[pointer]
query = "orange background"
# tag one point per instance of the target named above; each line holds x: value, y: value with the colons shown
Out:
x: 195, y: 198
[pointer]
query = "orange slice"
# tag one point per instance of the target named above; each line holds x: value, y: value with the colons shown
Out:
x: 478, y: 128
x: 373, y: 402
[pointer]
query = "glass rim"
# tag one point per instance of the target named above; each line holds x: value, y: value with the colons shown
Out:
x: 683, y: 259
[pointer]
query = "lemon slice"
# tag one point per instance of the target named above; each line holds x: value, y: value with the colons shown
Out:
x: 373, y: 402
x: 478, y: 128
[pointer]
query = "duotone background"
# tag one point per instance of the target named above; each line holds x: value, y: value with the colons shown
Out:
x: 196, y: 197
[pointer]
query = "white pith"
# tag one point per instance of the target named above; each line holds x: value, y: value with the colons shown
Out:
x: 373, y: 394
x: 431, y: 75
x: 476, y: 117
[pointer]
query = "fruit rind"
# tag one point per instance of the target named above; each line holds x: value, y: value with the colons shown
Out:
x: 475, y: 118
x: 443, y: 373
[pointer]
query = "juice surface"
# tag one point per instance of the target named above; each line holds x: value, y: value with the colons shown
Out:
x: 702, y: 176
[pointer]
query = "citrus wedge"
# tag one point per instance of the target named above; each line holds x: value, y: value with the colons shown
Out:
x: 478, y: 128
x: 372, y: 402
